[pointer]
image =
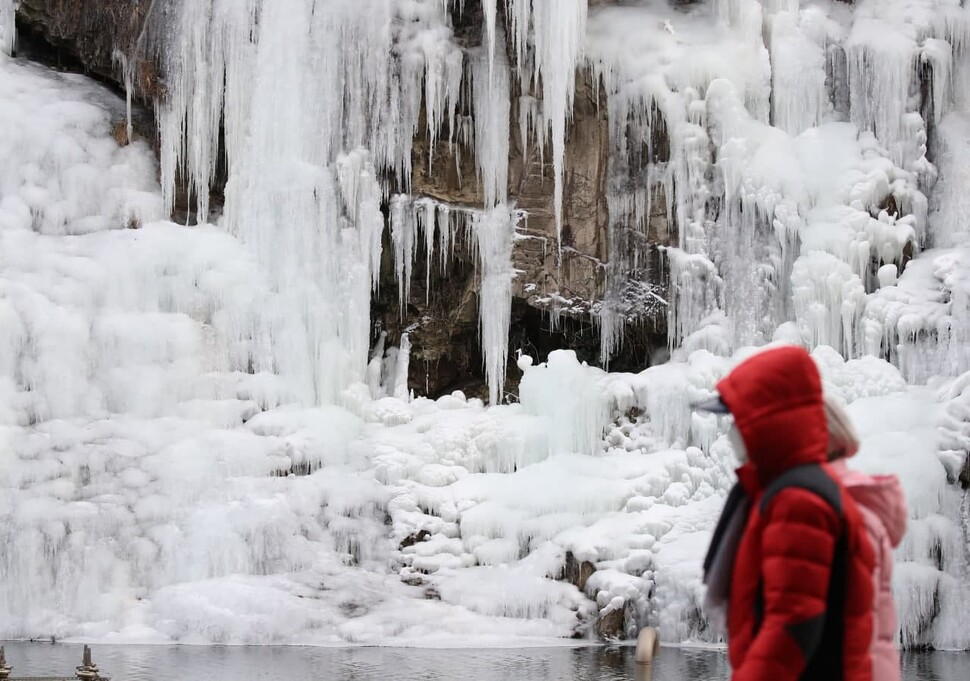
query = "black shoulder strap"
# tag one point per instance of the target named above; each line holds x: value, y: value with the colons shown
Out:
x: 811, y: 477
x: 827, y: 632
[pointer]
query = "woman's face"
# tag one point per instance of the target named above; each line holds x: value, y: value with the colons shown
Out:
x: 737, y: 443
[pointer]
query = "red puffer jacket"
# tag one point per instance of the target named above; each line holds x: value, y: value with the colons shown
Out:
x: 785, y: 623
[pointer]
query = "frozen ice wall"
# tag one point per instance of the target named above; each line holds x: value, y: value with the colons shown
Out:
x: 156, y: 484
x: 168, y: 470
x: 769, y: 161
x: 310, y: 129
x: 307, y: 133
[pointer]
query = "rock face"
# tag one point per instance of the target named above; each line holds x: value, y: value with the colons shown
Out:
x: 442, y: 319
x: 74, y: 33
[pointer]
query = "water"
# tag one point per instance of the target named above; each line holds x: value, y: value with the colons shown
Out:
x: 281, y: 663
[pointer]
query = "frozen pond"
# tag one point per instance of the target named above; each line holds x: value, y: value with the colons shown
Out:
x: 279, y: 663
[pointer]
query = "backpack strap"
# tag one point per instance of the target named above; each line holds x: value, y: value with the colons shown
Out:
x: 811, y: 477
x: 814, y: 478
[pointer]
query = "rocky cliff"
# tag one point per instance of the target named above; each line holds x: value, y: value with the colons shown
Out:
x: 556, y: 292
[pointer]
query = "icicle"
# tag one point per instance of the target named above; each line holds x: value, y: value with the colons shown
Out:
x: 798, y: 76
x: 403, y: 233
x: 519, y: 17
x: 401, y: 370
x: 950, y: 221
x: 453, y: 73
x: 376, y: 366
x: 8, y: 27
x: 489, y: 9
x: 527, y: 118
x: 127, y: 68
x: 559, y: 31
x: 611, y: 333
x: 880, y: 72
x: 428, y: 224
x: 491, y: 235
x: 939, y: 55
x: 494, y: 233
x: 445, y: 240
x: 442, y: 88
x: 828, y: 301
x: 189, y: 116
x: 491, y: 95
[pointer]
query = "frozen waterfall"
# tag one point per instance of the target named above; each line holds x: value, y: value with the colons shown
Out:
x: 202, y: 440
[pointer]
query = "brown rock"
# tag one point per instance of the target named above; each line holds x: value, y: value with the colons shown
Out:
x: 609, y: 624
x: 416, y: 538
x: 577, y: 573
x: 86, y: 34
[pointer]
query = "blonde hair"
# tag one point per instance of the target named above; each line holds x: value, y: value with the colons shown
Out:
x: 843, y: 441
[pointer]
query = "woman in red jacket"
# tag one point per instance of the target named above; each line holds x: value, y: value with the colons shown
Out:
x: 799, y: 587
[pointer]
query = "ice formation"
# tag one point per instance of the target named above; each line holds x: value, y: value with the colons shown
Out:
x: 7, y: 30
x: 199, y: 443
x: 558, y: 29
x: 489, y: 235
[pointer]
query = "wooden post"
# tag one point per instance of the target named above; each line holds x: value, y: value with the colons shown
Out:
x: 4, y: 667
x: 648, y: 647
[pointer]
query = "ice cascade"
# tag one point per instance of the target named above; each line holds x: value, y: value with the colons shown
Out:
x: 198, y: 442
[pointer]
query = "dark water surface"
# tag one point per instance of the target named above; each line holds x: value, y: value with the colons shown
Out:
x: 280, y: 663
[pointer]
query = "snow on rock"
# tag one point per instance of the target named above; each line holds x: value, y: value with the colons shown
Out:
x: 921, y: 323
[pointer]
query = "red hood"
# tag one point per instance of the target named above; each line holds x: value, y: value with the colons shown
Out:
x: 776, y: 400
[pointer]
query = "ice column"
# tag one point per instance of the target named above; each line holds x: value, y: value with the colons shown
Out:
x: 490, y: 10
x: 828, y: 299
x: 950, y: 220
x: 311, y: 214
x: 127, y: 68
x: 559, y: 29
x: 316, y: 101
x: 798, y: 94
x: 880, y: 72
x: 8, y: 31
x: 401, y: 370
x: 495, y: 228
x: 188, y: 119
x: 494, y: 234
x: 569, y: 398
x: 490, y: 84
